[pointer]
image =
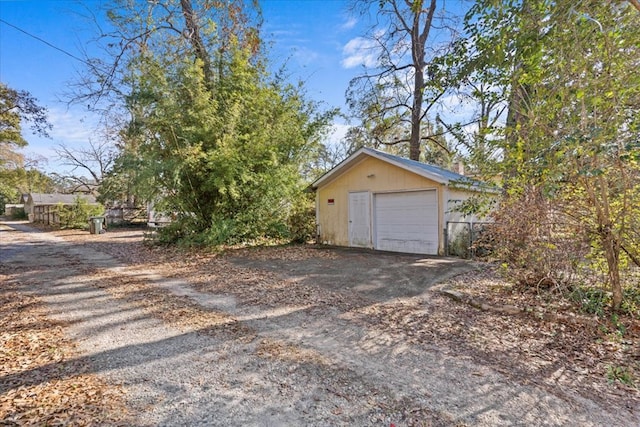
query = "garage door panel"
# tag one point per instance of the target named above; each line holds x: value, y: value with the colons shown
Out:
x: 407, y: 222
x: 408, y: 246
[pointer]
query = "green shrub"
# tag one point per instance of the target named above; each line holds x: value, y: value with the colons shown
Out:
x: 596, y: 300
x: 459, y: 245
x: 592, y: 300
x: 302, y: 219
x: 631, y: 300
x: 19, y: 214
x: 293, y: 220
x: 77, y: 215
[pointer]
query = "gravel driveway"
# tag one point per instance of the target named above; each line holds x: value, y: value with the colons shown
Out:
x: 272, y: 365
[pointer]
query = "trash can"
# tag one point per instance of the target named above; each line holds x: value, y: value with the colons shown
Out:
x: 95, y: 224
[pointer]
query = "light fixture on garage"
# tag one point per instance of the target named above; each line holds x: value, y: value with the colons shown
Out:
x: 371, y: 175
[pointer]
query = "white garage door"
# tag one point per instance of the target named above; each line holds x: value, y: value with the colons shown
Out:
x: 407, y: 222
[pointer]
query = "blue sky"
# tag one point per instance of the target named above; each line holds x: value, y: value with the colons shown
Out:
x: 320, y: 39
x: 310, y: 34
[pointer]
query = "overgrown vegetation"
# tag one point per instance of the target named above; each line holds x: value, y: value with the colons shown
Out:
x: 77, y: 215
x: 571, y: 156
x: 19, y: 214
x: 302, y: 219
x: 215, y: 140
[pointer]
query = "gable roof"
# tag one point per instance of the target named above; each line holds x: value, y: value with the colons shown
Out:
x: 432, y: 172
x: 55, y: 198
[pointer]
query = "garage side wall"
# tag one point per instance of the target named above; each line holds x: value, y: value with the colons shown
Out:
x: 461, y: 229
x: 454, y: 198
x: 372, y: 175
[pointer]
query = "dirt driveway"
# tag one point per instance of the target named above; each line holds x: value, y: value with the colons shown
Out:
x: 275, y: 337
x: 378, y: 276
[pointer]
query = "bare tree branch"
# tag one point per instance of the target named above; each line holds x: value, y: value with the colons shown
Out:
x: 399, y: 84
x: 96, y: 159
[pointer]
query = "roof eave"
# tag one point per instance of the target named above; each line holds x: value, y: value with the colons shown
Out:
x: 338, y: 169
x: 354, y: 158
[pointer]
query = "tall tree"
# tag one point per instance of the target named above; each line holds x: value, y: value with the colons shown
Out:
x: 492, y: 66
x: 16, y: 108
x: 212, y: 137
x: 589, y: 124
x: 437, y: 149
x: 570, y: 138
x: 26, y: 178
x: 394, y: 97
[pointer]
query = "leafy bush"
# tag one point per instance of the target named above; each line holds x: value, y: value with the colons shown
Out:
x: 186, y: 232
x: 302, y: 219
x: 77, y: 215
x: 631, y: 300
x: 295, y: 223
x: 459, y: 245
x: 592, y: 300
x: 19, y: 214
x: 620, y: 374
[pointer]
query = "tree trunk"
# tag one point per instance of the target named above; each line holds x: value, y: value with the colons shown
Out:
x: 519, y: 96
x: 612, y: 255
x: 418, y: 41
x: 515, y: 117
x: 416, y: 112
x: 196, y: 41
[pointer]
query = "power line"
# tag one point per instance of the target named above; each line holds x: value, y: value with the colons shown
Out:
x: 47, y: 43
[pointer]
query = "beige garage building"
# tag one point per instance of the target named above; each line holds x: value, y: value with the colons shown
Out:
x: 380, y: 201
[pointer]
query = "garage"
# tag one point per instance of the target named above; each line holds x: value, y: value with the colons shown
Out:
x: 406, y: 222
x: 377, y: 200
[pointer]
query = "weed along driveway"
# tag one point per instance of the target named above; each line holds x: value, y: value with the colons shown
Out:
x: 272, y: 337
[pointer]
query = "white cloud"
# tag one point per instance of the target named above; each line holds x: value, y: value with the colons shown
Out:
x: 305, y: 56
x: 349, y: 24
x: 72, y: 126
x: 359, y: 51
x: 338, y: 133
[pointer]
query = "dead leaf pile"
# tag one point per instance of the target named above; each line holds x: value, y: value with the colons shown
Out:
x: 286, y: 253
x: 259, y: 287
x: 284, y: 351
x: 41, y: 381
x: 178, y: 311
x: 526, y: 347
x: 549, y: 343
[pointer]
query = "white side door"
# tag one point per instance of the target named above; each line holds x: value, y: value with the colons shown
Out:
x: 359, y: 220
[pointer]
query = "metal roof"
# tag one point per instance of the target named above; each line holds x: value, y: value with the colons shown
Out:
x: 435, y: 173
x: 55, y: 198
